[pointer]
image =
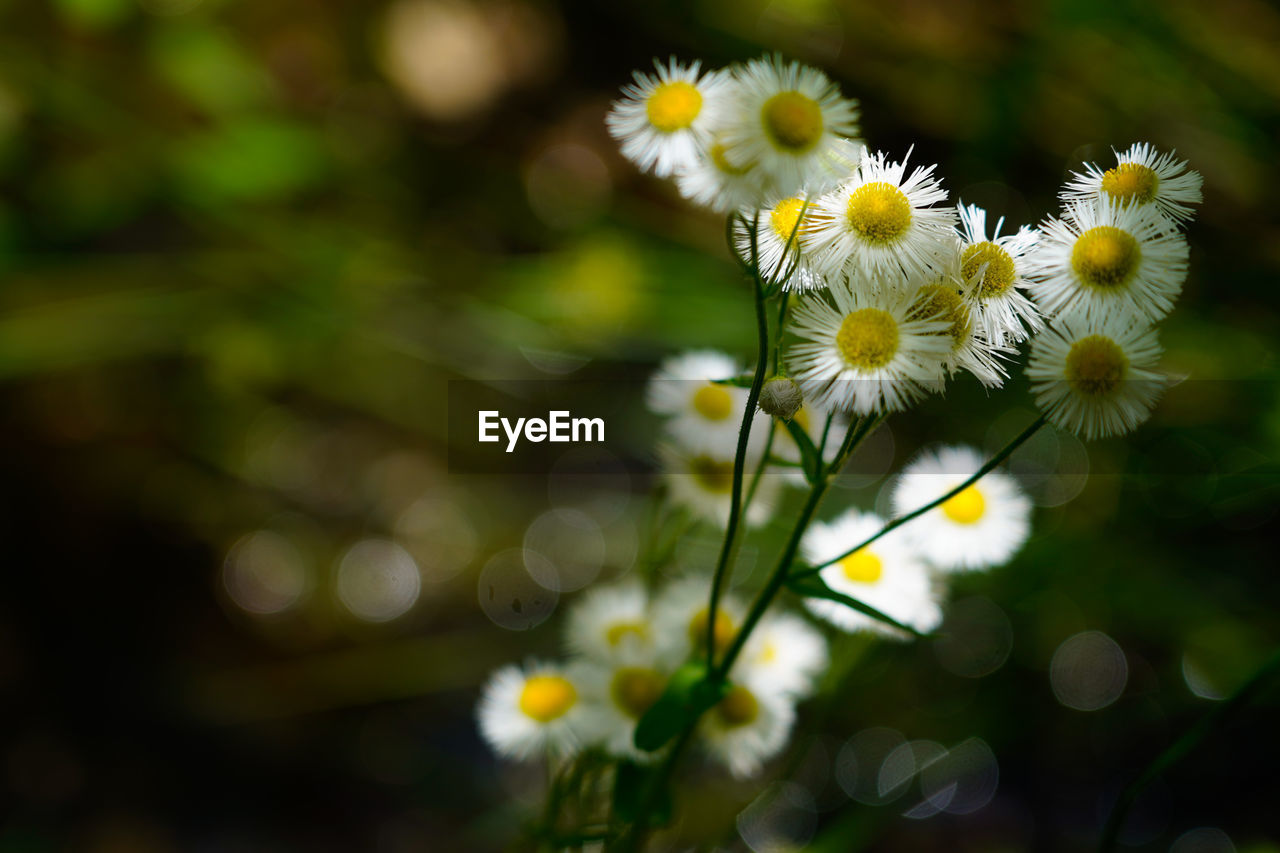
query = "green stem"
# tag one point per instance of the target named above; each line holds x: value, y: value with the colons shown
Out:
x: 1214, y: 719
x: 919, y: 511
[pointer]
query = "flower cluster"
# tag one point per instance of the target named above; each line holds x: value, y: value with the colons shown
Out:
x: 623, y: 648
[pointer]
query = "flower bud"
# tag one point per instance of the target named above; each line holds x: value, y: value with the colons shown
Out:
x: 781, y: 397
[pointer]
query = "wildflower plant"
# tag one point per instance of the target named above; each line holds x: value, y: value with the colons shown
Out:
x: 872, y: 291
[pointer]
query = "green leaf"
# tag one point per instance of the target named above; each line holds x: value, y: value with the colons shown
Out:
x: 814, y: 587
x: 809, y: 458
x: 688, y: 694
x: 631, y: 786
x: 743, y: 381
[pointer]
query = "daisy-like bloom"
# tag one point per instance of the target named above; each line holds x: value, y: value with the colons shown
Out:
x: 883, y: 223
x: 1142, y: 177
x: 610, y: 622
x: 705, y: 415
x: 702, y: 482
x: 664, y: 118
x: 888, y: 574
x: 1095, y: 378
x: 792, y: 122
x: 719, y: 182
x: 944, y: 299
x: 532, y: 711
x: 680, y: 616
x: 995, y: 274
x: 617, y: 695
x: 1105, y: 261
x: 783, y: 243
x: 785, y: 653
x: 867, y: 353
x: 747, y: 728
x: 980, y: 527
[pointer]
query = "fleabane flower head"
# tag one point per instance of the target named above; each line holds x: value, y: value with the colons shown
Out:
x: 617, y: 694
x: 888, y: 574
x: 719, y: 182
x: 681, y: 615
x: 664, y: 118
x: 1142, y: 177
x: 702, y: 482
x: 982, y: 526
x: 1094, y: 378
x: 946, y: 298
x: 705, y: 415
x: 883, y: 224
x: 792, y: 123
x: 610, y: 622
x: 783, y: 243
x: 537, y: 710
x: 866, y: 352
x: 785, y: 654
x: 1108, y: 261
x: 746, y: 728
x: 994, y: 270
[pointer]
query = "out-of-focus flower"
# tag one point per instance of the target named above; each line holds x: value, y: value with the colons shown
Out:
x: 534, y: 710
x: 748, y: 727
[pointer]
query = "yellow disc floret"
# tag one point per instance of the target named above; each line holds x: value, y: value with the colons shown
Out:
x: 966, y: 507
x: 738, y: 708
x: 619, y: 631
x: 713, y: 475
x: 1106, y: 257
x: 1131, y: 182
x: 673, y: 106
x: 868, y: 338
x: 862, y: 567
x: 547, y: 697
x: 999, y: 274
x: 792, y: 121
x: 785, y: 219
x: 943, y: 303
x: 698, y: 630
x: 719, y: 155
x: 634, y: 689
x: 1095, y: 365
x: 713, y: 402
x: 879, y: 212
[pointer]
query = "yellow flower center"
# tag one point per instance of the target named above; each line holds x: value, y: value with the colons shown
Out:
x: 546, y: 697
x: 1095, y: 365
x: 713, y: 402
x: 999, y: 274
x: 618, y: 632
x: 723, y: 632
x: 943, y: 303
x: 966, y: 507
x: 879, y: 212
x: 769, y: 653
x: 634, y: 690
x: 713, y: 475
x: 785, y: 219
x: 792, y: 121
x: 738, y: 708
x: 673, y: 106
x: 720, y: 157
x: 862, y: 567
x: 1131, y: 182
x: 868, y: 338
x: 1106, y: 257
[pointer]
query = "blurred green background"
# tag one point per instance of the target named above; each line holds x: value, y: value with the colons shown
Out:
x: 243, y: 248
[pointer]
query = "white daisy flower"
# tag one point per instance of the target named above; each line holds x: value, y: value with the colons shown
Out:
x: 791, y: 121
x: 617, y: 695
x: 995, y: 272
x: 881, y: 222
x: 532, y: 711
x: 867, y: 353
x: 609, y: 622
x: 664, y: 118
x: 1095, y: 379
x: 1143, y: 177
x: 782, y: 243
x: 705, y: 415
x: 1106, y: 261
x: 680, y: 615
x: 888, y: 574
x: 944, y: 299
x: 746, y: 729
x: 720, y: 183
x: 982, y: 526
x: 702, y: 482
x: 785, y: 654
